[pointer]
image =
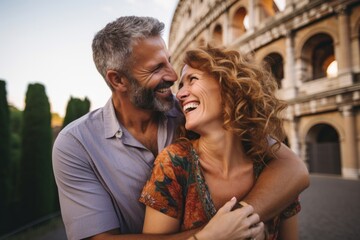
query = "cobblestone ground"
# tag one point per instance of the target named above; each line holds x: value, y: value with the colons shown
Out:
x: 330, y: 209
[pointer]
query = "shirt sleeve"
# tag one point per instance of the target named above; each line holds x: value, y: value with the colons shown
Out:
x: 162, y: 191
x: 291, y: 210
x: 86, y: 207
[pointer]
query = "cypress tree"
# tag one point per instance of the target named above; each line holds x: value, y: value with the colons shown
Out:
x: 15, y: 156
x: 37, y: 181
x: 75, y: 109
x: 4, y: 157
x: 15, y: 153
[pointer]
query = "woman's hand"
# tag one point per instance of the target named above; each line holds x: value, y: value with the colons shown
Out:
x: 240, y: 223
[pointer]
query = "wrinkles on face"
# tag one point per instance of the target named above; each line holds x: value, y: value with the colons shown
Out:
x: 152, y: 75
x: 145, y: 98
x: 200, y: 97
x: 152, y: 63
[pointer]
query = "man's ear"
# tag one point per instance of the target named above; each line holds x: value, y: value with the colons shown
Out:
x: 116, y: 80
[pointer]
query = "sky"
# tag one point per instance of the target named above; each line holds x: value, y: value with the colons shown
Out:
x: 49, y: 42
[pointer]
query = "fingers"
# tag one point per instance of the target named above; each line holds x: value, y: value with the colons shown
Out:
x: 240, y: 223
x: 257, y: 231
x: 254, y: 219
x: 228, y: 206
x: 246, y: 210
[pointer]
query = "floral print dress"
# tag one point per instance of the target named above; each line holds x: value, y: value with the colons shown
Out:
x: 178, y: 189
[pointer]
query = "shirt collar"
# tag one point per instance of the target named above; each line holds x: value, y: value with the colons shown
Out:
x: 111, y: 124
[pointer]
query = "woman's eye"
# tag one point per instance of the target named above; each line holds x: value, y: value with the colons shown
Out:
x: 180, y: 86
x: 193, y: 78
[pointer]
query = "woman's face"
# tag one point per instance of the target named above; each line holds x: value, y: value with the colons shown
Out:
x: 200, y: 98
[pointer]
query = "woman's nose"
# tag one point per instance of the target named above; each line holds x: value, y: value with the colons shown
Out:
x: 182, y: 93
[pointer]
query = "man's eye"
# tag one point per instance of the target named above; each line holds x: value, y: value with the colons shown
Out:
x: 157, y: 69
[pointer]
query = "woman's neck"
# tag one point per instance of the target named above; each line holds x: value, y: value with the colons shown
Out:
x: 220, y: 152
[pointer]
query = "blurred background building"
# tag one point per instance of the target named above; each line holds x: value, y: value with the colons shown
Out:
x: 312, y: 48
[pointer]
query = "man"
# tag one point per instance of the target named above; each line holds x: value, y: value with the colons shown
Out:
x: 102, y: 160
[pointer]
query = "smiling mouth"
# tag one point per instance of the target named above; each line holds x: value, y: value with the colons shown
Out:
x: 163, y: 90
x: 190, y: 107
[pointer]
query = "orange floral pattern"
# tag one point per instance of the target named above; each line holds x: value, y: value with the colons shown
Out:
x: 178, y: 189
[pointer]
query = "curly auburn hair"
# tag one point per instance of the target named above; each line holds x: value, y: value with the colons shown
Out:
x: 251, y: 109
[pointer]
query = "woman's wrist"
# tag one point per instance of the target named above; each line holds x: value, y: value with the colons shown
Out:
x: 202, y: 235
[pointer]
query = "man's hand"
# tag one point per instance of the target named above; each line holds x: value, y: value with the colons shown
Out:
x: 240, y: 223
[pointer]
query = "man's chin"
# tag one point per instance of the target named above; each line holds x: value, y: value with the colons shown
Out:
x: 164, y: 105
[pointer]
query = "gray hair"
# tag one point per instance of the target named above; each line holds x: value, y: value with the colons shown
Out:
x: 112, y: 46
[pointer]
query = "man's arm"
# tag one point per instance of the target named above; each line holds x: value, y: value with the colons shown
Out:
x: 225, y: 225
x: 86, y: 207
x: 116, y: 235
x: 279, y: 184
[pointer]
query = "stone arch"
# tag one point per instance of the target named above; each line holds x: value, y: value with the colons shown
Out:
x: 274, y: 62
x: 316, y: 55
x: 323, y: 120
x: 217, y: 35
x: 323, y: 154
x: 313, y: 31
x: 269, y: 9
x: 237, y: 22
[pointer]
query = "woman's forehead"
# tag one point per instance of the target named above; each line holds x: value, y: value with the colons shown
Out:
x: 187, y: 70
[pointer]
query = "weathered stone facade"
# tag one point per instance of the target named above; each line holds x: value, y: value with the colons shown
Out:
x: 301, y: 42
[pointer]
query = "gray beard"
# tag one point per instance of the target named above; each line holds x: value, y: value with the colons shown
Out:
x: 145, y: 98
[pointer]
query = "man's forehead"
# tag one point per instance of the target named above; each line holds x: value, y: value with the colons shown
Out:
x: 150, y: 49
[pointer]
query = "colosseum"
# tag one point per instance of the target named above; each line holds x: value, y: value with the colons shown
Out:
x: 312, y: 48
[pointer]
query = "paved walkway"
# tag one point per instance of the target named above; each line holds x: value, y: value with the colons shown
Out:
x: 330, y: 210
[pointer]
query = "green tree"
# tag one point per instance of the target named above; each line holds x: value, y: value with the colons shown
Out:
x: 75, y: 109
x: 37, y: 181
x: 4, y: 157
x: 14, y: 214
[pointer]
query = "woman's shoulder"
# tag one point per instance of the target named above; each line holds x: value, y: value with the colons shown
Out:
x: 182, y: 147
x: 179, y: 151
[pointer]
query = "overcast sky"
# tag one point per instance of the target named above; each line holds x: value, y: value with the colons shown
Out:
x: 49, y: 42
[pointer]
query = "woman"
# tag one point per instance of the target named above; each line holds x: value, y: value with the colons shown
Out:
x: 232, y: 113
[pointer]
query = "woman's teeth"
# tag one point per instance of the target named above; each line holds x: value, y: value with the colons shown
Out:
x: 190, y: 106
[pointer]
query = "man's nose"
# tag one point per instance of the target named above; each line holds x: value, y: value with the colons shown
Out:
x: 172, y: 76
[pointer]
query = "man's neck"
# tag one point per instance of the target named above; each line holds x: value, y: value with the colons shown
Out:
x: 142, y: 124
x: 132, y: 117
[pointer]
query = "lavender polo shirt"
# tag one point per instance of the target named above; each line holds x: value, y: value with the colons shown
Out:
x: 100, y: 170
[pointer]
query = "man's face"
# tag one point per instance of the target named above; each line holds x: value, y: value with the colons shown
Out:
x: 151, y: 76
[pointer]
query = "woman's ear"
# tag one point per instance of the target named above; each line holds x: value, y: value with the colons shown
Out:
x: 116, y: 80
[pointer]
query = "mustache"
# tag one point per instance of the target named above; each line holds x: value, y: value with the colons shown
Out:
x: 163, y: 84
